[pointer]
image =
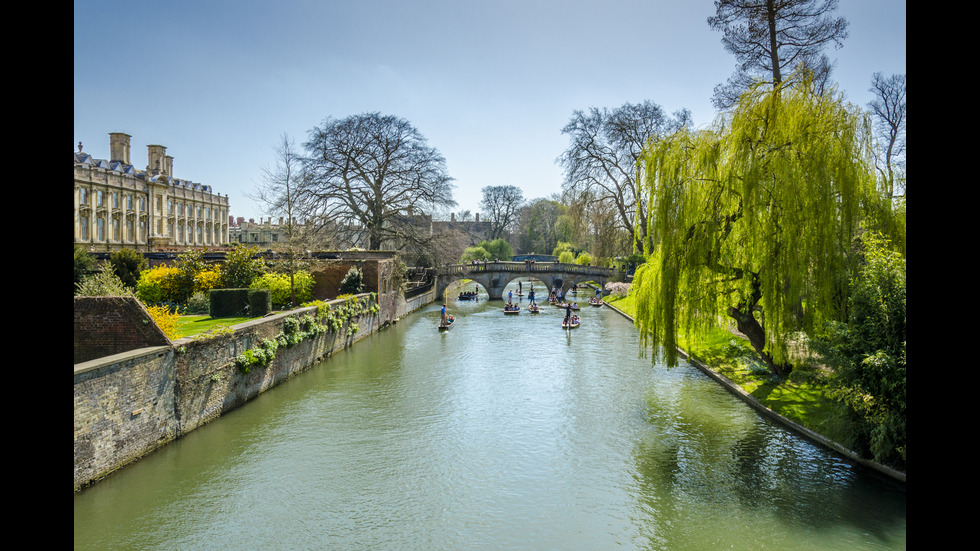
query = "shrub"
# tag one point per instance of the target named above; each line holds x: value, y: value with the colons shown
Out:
x: 207, y: 279
x: 166, y: 320
x: 105, y: 283
x: 868, y: 353
x: 278, y: 287
x: 566, y: 257
x: 128, y: 263
x: 198, y: 304
x: 158, y: 285
x: 353, y: 282
x: 240, y: 268
x: 84, y: 263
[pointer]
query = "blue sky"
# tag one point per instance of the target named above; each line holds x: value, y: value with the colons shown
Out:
x: 490, y: 84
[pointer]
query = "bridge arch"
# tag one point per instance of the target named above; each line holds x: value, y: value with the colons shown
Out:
x: 494, y: 276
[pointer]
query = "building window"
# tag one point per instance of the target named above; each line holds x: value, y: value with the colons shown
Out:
x: 82, y: 196
x: 115, y: 199
x: 100, y: 225
x: 129, y: 231
x: 115, y: 229
x: 83, y: 227
x: 129, y: 202
x: 100, y: 198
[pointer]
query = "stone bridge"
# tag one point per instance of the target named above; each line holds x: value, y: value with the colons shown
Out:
x: 494, y: 276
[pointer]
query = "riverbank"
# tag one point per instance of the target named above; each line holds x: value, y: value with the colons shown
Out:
x: 802, y: 408
x: 130, y: 404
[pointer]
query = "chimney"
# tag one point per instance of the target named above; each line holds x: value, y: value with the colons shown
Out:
x: 119, y: 147
x: 170, y: 165
x: 155, y: 155
x: 478, y: 218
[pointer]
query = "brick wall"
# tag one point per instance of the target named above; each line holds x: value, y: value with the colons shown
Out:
x: 109, y: 325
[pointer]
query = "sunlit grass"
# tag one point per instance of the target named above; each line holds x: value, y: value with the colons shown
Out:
x: 189, y: 326
x: 803, y: 397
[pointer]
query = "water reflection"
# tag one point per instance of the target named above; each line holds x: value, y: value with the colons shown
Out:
x: 506, y: 432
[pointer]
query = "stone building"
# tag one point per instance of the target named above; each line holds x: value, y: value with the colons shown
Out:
x: 263, y: 234
x: 120, y: 206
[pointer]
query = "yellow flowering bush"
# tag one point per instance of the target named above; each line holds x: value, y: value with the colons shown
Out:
x: 208, y: 279
x: 157, y: 284
x: 165, y: 320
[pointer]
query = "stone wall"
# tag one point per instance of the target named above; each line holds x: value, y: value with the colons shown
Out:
x: 128, y: 405
x: 124, y: 409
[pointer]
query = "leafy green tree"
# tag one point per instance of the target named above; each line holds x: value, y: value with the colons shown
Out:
x: 583, y: 259
x: 498, y: 249
x: 127, y: 264
x: 475, y: 253
x: 84, y: 263
x: 753, y: 220
x: 561, y: 247
x: 566, y: 257
x: 868, y: 353
x: 541, y: 224
x: 241, y: 267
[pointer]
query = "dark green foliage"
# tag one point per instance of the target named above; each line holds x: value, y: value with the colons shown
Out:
x: 241, y: 267
x: 128, y: 263
x: 353, y: 282
x: 229, y: 303
x: 259, y: 302
x: 868, y: 354
x: 84, y: 264
x: 190, y: 264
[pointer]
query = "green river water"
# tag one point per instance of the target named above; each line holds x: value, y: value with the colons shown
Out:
x: 506, y: 432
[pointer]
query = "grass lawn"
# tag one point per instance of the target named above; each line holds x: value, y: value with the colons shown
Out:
x: 802, y: 397
x: 190, y: 326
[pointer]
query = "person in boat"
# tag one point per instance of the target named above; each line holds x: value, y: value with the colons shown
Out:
x: 530, y: 295
x: 568, y: 313
x: 444, y: 314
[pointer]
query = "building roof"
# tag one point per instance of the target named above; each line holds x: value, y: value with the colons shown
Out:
x: 86, y: 160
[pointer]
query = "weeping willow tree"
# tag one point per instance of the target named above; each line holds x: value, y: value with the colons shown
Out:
x: 752, y: 221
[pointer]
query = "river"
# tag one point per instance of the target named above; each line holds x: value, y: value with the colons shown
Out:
x: 506, y: 432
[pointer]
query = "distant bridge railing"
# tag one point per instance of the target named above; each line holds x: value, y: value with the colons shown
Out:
x: 525, y: 267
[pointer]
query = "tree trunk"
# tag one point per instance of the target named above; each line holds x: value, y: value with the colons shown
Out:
x: 751, y: 328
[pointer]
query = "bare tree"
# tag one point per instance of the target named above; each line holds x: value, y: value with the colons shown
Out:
x: 889, y: 110
x: 373, y: 177
x: 600, y: 162
x: 772, y: 38
x: 279, y: 194
x: 501, y: 205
